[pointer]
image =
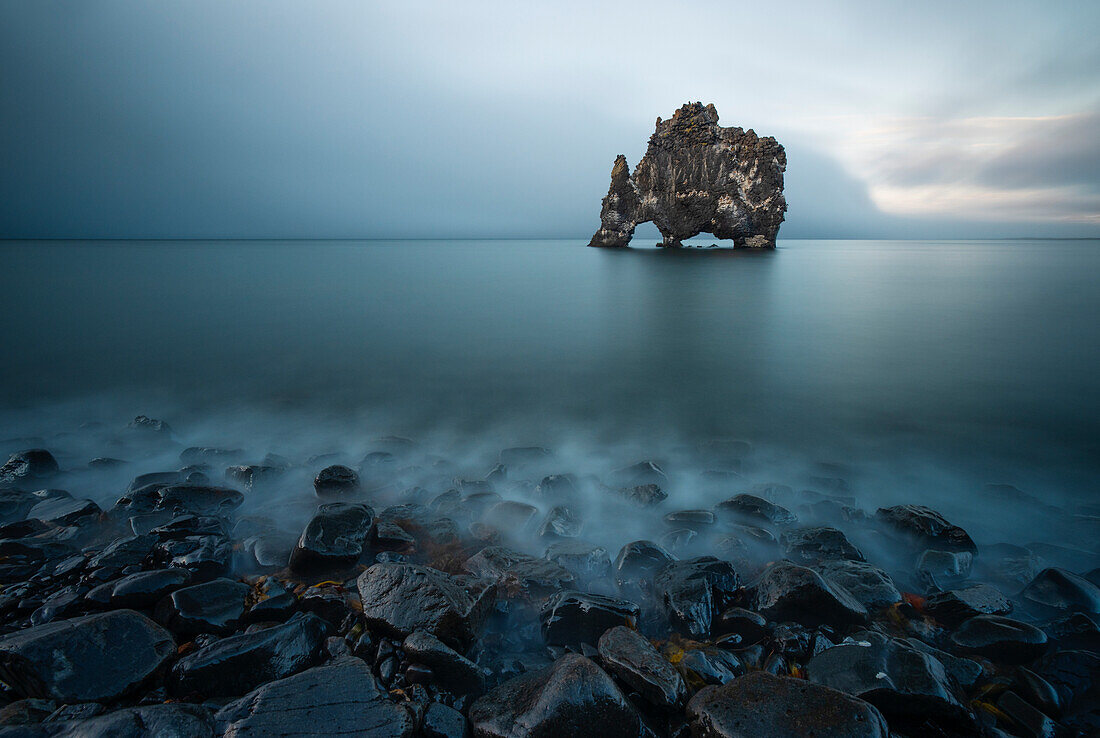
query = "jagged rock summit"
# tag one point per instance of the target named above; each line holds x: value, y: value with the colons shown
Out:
x: 698, y: 177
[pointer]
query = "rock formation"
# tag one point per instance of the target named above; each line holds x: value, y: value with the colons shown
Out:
x: 698, y: 177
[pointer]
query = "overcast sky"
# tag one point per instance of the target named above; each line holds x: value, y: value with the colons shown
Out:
x: 267, y: 118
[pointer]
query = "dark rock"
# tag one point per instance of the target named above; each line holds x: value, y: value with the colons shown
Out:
x: 28, y: 467
x: 786, y: 591
x: 1076, y: 632
x: 15, y: 504
x: 643, y: 495
x: 1059, y: 589
x: 698, y: 177
x: 636, y: 662
x: 334, y: 537
x: 441, y: 721
x: 336, y: 481
x: 454, y: 671
x: 941, y: 569
x: 517, y: 574
x: 340, y: 698
x: 708, y: 665
x: 252, y: 476
x: 956, y: 605
x: 402, y: 598
x: 557, y: 487
x: 1076, y: 677
x: 571, y: 618
x: 926, y: 528
x: 63, y: 603
x: 573, y: 696
x: 124, y: 552
x: 907, y: 685
x: 26, y: 712
x: 95, y: 657
x: 139, y: 591
x: 698, y: 520
x: 583, y: 560
x: 204, y: 556
x: 167, y: 720
x: 761, y: 704
x: 1026, y: 717
x: 326, y: 600
x: 199, y: 499
x: 236, y: 664
x: 561, y: 522
x: 692, y: 590
x: 217, y: 606
x: 64, y: 511
x: 751, y: 627
x: 638, y: 561
x: 965, y: 672
x: 389, y: 536
x: 1038, y: 692
x: 163, y: 479
x: 870, y: 585
x: 811, y: 545
x: 644, y: 472
x: 755, y: 510
x: 1000, y: 639
x: 145, y: 424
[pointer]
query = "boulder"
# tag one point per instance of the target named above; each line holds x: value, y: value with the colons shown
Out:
x: 339, y: 698
x: 808, y: 546
x: 637, y: 663
x: 762, y: 704
x: 517, y: 574
x: 1058, y: 589
x: 870, y: 585
x: 956, y: 605
x: 698, y: 177
x: 140, y: 590
x: 572, y: 696
x: 925, y: 528
x: 333, y: 538
x: 400, y: 599
x: 453, y: 671
x: 561, y: 522
x: 572, y: 618
x: 786, y: 591
x: 1000, y: 639
x: 755, y: 510
x: 584, y: 561
x: 167, y: 720
x: 28, y: 467
x: 217, y: 606
x: 95, y: 657
x: 692, y: 590
x: 336, y: 481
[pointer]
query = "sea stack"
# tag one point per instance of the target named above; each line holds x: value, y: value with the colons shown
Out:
x: 698, y: 177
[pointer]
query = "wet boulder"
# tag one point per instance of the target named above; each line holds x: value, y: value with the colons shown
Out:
x: 693, y: 590
x: 336, y: 481
x: 517, y: 574
x: 123, y: 553
x: 705, y: 665
x: 561, y: 487
x: 808, y: 546
x: 561, y: 522
x: 572, y: 696
x: 140, y: 590
x: 452, y: 670
x: 1000, y: 639
x: 15, y: 504
x: 166, y: 720
x: 1058, y: 589
x: 636, y: 564
x: 956, y: 605
x: 441, y: 721
x: 571, y: 618
x: 925, y: 528
x: 216, y: 606
x: 907, y: 685
x: 90, y: 658
x: 637, y: 663
x: 339, y: 698
x: 199, y: 499
x: 28, y: 467
x: 333, y: 538
x: 786, y: 591
x: 755, y: 510
x: 64, y: 511
x: 584, y: 561
x: 204, y: 556
x: 762, y: 704
x: 635, y: 475
x: 400, y: 599
x: 870, y: 585
x: 643, y: 495
x: 236, y: 664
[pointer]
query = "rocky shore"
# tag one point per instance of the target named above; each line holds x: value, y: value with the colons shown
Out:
x: 401, y: 593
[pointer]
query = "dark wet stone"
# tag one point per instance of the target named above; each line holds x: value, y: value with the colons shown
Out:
x: 400, y: 599
x: 95, y: 657
x: 870, y: 585
x: 236, y: 664
x: 511, y: 517
x: 956, y: 605
x: 389, y: 536
x: 755, y: 510
x: 636, y: 662
x: 517, y: 574
x: 326, y: 601
x: 217, y: 606
x: 1038, y: 692
x: 270, y: 550
x: 64, y: 511
x: 200, y: 499
x: 691, y: 591
x: 64, y: 603
x: 339, y: 698
x: 1059, y: 589
x: 1000, y: 639
x: 561, y: 522
x: 584, y: 561
x: 709, y: 665
x: 1026, y: 718
x: 571, y: 618
x: 698, y: 520
x: 140, y: 590
x: 471, y: 487
x: 334, y: 537
x: 25, y: 712
x: 336, y: 481
x: 809, y: 546
x: 907, y: 685
x: 557, y: 487
x: 166, y: 720
x: 124, y: 552
x: 573, y: 696
x: 15, y: 504
x: 1076, y: 632
x: 151, y: 479
x: 1076, y: 677
x: 638, y: 561
x: 762, y: 704
x: 204, y: 556
x: 441, y: 721
x: 943, y: 569
x: 786, y: 591
x: 926, y: 528
x: 643, y: 495
x: 644, y: 472
x: 28, y: 467
x: 252, y: 476
x: 964, y: 671
x: 750, y: 626
x: 454, y: 671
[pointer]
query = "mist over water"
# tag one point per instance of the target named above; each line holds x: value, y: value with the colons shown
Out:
x: 891, y: 372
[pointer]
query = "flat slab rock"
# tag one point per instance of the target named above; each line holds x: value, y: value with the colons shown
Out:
x: 571, y: 697
x: 86, y: 659
x: 762, y: 704
x: 340, y: 698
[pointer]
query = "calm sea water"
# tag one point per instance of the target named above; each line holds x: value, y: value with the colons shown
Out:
x: 975, y: 357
